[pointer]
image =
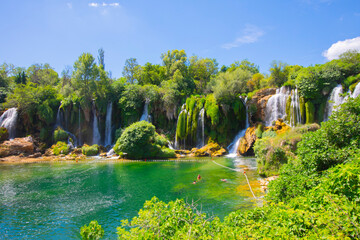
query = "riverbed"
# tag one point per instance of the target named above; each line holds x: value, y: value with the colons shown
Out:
x: 53, y: 200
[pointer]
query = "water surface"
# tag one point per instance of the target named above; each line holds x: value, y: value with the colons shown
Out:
x: 53, y: 200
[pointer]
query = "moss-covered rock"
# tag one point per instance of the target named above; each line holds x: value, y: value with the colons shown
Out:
x: 211, y: 149
x: 4, y: 134
x: 90, y: 150
x: 60, y: 148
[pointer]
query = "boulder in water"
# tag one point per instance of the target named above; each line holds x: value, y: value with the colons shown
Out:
x: 247, y: 142
x: 211, y: 149
x: 17, y: 146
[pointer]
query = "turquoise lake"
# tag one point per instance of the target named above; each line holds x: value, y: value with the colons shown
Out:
x: 53, y: 200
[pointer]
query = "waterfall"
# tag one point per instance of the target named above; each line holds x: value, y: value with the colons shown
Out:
x: 334, y: 100
x: 200, y: 131
x: 276, y: 105
x: 108, y: 125
x: 145, y: 116
x: 183, y: 109
x: 96, y: 132
x: 8, y: 120
x: 356, y: 91
x: 58, y: 118
x: 295, y: 114
x: 235, y: 143
x: 79, y: 126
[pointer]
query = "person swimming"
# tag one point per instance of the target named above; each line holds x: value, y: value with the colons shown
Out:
x: 223, y: 180
x: 199, y: 177
x: 194, y: 182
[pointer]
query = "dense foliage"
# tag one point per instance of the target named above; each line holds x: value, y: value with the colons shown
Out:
x: 92, y: 232
x: 92, y: 150
x: 140, y: 141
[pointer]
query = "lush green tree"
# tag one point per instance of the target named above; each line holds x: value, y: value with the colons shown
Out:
x: 84, y: 75
x: 130, y: 70
x: 244, y: 65
x: 175, y: 60
x: 227, y: 86
x: 278, y: 73
x: 201, y: 70
x: 152, y: 74
x: 42, y: 74
x: 101, y: 58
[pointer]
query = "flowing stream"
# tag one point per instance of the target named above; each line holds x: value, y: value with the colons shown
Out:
x: 335, y: 99
x: 201, y: 129
x: 145, y: 116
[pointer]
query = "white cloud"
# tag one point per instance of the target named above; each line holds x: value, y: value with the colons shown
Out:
x: 69, y: 5
x: 104, y: 4
x: 342, y: 46
x: 251, y: 34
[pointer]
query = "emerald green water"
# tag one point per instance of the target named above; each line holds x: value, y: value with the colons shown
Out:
x: 53, y: 200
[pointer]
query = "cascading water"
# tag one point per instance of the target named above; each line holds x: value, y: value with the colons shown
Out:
x: 79, y: 126
x: 8, y: 120
x: 96, y: 132
x: 145, y: 116
x: 235, y: 143
x: 200, y: 131
x: 335, y: 99
x: 58, y: 124
x: 295, y: 114
x: 276, y: 105
x: 108, y: 125
x: 356, y: 91
x: 183, y: 109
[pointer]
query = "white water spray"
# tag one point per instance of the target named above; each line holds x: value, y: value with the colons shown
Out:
x: 235, y: 143
x: 335, y: 99
x: 145, y: 116
x: 108, y: 124
x: 96, y: 132
x: 295, y: 114
x: 276, y: 105
x: 8, y: 120
x: 201, y: 129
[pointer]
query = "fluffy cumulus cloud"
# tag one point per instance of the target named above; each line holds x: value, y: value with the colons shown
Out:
x: 342, y: 46
x: 250, y: 34
x: 104, y: 4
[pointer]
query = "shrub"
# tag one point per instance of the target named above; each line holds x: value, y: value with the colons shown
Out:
x: 140, y: 141
x: 60, y: 148
x: 92, y: 232
x: 60, y: 135
x: 90, y: 150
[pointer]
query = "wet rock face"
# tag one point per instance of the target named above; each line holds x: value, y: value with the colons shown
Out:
x: 211, y: 149
x: 247, y: 142
x: 260, y: 100
x: 17, y: 146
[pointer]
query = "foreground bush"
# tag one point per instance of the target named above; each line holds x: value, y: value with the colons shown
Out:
x: 90, y: 150
x: 60, y: 148
x: 92, y: 232
x: 328, y: 211
x: 140, y: 141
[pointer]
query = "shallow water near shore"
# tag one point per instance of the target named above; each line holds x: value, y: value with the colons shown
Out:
x: 53, y: 200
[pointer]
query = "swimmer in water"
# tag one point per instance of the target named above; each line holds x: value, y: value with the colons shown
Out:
x: 199, y: 177
x: 194, y: 182
x: 223, y: 180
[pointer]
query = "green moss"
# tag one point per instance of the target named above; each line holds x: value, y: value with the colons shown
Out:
x: 212, y: 109
x: 60, y: 135
x: 320, y: 111
x: 310, y: 112
x: 302, y: 108
x: 3, y: 134
x: 90, y: 150
x: 60, y: 148
x: 288, y: 109
x: 259, y: 131
x: 181, y: 125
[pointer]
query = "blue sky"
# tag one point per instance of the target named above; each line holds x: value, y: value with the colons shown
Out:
x: 295, y: 32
